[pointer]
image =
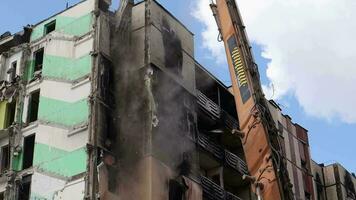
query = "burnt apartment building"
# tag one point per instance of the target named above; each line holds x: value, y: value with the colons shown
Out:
x: 105, y: 105
x: 97, y: 104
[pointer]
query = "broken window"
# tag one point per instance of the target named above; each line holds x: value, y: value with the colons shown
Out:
x: 12, y: 72
x: 28, y: 149
x: 38, y: 56
x: 5, y: 158
x: 24, y: 189
x: 10, y: 114
x: 50, y: 27
x: 33, y: 103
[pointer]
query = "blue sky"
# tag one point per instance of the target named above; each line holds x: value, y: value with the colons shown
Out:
x: 331, y: 140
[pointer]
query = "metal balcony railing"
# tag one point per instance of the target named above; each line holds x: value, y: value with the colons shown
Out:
x: 214, y: 111
x: 213, y: 191
x: 229, y: 121
x: 230, y: 196
x: 208, y: 105
x: 210, y: 146
x: 227, y: 157
x: 235, y: 162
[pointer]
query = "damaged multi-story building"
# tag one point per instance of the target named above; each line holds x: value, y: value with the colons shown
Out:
x: 100, y: 104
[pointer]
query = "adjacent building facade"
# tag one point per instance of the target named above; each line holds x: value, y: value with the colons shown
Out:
x: 105, y: 105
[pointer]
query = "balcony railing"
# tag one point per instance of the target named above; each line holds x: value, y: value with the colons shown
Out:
x: 230, y: 196
x: 235, y: 162
x: 215, y: 112
x: 210, y: 146
x: 209, y: 106
x: 212, y: 191
x: 225, y: 156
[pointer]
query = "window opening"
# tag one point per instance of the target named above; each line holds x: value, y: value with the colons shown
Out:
x: 29, y: 145
x: 33, y: 104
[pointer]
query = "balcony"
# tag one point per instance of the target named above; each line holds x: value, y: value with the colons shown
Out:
x: 223, y: 155
x: 214, y: 111
x: 205, y: 143
x: 212, y: 191
x: 235, y: 162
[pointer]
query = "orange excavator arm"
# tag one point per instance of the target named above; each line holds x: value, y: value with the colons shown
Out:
x: 257, y: 129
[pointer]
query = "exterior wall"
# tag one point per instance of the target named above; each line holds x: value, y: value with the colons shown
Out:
x: 162, y: 22
x: 318, y: 181
x: 335, y: 183
x: 75, y: 21
x: 291, y: 142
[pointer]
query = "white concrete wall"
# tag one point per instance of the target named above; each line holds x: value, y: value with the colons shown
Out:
x: 80, y: 9
x: 64, y: 91
x: 72, y: 191
x: 68, y: 48
x: 45, y: 186
x: 15, y: 57
x: 58, y: 137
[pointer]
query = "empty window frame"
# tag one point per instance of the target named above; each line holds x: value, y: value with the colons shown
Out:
x: 28, y: 150
x: 38, y: 56
x: 33, y: 104
x: 50, y: 27
x: 12, y: 72
x: 5, y: 158
x: 2, y: 197
x: 10, y: 114
x: 24, y: 189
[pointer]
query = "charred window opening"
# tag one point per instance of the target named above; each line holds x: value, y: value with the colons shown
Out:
x: 172, y: 48
x: 104, y: 5
x: 24, y: 190
x: 5, y: 158
x: 29, y: 145
x: 185, y: 166
x: 38, y: 56
x: 10, y: 114
x: 350, y: 188
x: 107, y: 104
x: 33, y: 104
x: 12, y: 72
x: 176, y: 190
x: 50, y: 27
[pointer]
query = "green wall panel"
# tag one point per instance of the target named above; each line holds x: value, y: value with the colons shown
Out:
x: 30, y: 67
x: 64, y: 113
x: 67, y: 25
x: 78, y: 27
x: 58, y: 161
x: 44, y: 153
x: 66, y: 68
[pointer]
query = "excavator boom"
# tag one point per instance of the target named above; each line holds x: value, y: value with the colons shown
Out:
x: 257, y: 131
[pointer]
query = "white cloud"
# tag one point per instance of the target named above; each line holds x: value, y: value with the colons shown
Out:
x: 312, y: 48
